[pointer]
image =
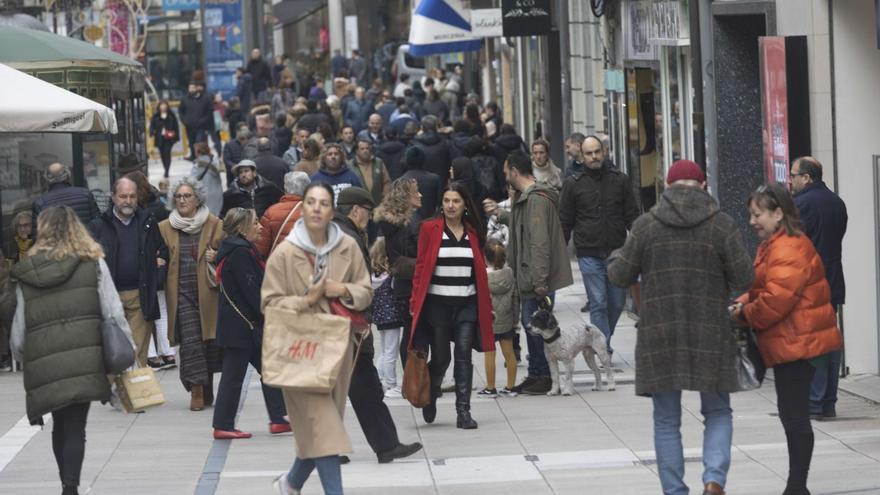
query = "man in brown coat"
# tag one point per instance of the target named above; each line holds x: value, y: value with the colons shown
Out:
x: 690, y: 257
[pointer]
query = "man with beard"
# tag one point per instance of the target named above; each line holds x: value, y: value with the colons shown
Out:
x: 334, y: 172
x: 597, y: 208
x: 132, y: 247
x: 249, y: 190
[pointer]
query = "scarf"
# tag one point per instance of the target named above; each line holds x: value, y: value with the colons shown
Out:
x: 192, y: 225
x: 299, y: 237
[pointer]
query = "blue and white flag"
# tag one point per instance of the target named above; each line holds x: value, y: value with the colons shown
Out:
x: 441, y: 26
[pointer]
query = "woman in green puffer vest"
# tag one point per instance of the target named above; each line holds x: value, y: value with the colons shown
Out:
x: 64, y: 293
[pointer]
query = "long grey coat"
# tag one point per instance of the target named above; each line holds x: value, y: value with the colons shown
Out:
x: 691, y: 258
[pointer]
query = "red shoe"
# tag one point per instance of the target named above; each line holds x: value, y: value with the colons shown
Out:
x: 276, y: 428
x: 230, y: 435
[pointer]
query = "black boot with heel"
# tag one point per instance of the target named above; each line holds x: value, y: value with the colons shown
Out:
x: 464, y: 373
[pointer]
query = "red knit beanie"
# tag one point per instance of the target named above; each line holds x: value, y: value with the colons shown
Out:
x: 685, y: 170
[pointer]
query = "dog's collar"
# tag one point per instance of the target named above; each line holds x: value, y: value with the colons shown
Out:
x: 555, y: 336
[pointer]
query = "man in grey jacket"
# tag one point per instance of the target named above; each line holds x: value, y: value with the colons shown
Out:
x: 691, y: 257
x: 536, y: 252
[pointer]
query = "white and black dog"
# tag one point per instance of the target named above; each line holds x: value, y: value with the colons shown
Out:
x: 564, y: 346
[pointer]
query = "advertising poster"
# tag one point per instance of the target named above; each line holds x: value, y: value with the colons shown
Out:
x: 223, y: 40
x: 774, y: 108
x: 526, y: 17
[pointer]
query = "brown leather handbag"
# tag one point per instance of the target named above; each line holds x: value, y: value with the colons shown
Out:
x: 416, y: 381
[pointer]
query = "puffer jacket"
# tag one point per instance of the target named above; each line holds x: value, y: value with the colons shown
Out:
x: 437, y: 155
x: 505, y: 300
x: 273, y: 222
x: 789, y: 304
x: 62, y: 347
x: 79, y: 199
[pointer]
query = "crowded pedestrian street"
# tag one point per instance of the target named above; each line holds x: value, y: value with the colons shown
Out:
x: 418, y: 247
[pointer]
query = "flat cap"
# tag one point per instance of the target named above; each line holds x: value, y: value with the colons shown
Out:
x: 355, y: 196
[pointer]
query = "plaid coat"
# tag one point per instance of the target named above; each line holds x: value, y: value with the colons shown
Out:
x: 690, y: 257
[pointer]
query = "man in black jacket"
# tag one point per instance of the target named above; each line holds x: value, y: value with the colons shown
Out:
x: 250, y: 190
x: 197, y: 114
x: 823, y: 215
x: 260, y: 73
x: 437, y: 156
x: 62, y: 193
x: 269, y: 165
x: 598, y: 207
x: 133, y: 250
x: 353, y: 210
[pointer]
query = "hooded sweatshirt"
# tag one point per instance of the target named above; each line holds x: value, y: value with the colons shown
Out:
x: 339, y: 180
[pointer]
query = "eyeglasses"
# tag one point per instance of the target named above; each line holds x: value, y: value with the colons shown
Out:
x: 183, y: 196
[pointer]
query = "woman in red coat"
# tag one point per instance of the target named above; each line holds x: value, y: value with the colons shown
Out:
x: 450, y: 299
x: 789, y: 306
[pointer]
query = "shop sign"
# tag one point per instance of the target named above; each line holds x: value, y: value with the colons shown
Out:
x: 774, y: 107
x: 487, y: 23
x: 670, y: 23
x: 636, y: 19
x: 223, y: 41
x: 526, y: 17
x: 180, y: 5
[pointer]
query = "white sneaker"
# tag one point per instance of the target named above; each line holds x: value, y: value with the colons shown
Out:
x: 393, y: 393
x: 282, y: 487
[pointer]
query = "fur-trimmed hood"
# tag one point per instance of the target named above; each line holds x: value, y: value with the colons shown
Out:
x: 386, y: 213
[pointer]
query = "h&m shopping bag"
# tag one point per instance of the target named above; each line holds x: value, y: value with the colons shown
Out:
x: 303, y: 351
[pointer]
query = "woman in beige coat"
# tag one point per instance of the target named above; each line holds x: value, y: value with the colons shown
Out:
x: 192, y: 235
x: 294, y: 282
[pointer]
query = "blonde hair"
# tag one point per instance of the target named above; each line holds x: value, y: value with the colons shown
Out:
x: 379, y: 257
x: 238, y: 220
x: 397, y: 202
x: 60, y: 235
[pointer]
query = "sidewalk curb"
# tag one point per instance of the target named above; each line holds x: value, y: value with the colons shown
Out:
x: 864, y: 386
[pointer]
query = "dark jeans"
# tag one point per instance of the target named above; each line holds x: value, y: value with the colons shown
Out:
x: 69, y: 441
x: 449, y: 323
x: 793, y: 400
x: 165, y: 154
x: 366, y: 397
x: 538, y: 366
x: 823, y: 390
x: 235, y: 363
x: 195, y: 135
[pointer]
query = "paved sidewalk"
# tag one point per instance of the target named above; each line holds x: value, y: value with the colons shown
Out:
x: 591, y: 442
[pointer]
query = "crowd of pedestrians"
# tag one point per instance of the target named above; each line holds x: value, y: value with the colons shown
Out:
x: 423, y: 209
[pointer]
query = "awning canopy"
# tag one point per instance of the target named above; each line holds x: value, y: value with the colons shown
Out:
x: 37, y: 106
x: 293, y: 11
x: 19, y: 45
x: 441, y: 26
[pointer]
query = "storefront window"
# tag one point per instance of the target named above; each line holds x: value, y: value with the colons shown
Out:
x: 96, y: 167
x: 23, y: 161
x: 677, y: 94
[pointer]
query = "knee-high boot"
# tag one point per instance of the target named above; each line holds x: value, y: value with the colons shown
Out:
x: 429, y: 412
x: 463, y: 372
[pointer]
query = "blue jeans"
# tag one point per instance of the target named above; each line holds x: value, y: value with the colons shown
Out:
x: 538, y: 366
x: 823, y: 389
x: 717, y: 437
x: 606, y: 300
x: 328, y: 469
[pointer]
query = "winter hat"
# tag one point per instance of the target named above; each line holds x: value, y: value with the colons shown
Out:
x: 415, y: 158
x: 685, y: 170
x: 244, y: 163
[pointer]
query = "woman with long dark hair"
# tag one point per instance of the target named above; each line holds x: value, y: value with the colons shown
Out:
x: 450, y: 299
x: 165, y: 131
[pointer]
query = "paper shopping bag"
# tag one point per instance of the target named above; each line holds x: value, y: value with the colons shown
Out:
x: 138, y: 390
x: 303, y: 351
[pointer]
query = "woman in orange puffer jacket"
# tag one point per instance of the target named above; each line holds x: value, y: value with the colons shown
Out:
x: 789, y: 306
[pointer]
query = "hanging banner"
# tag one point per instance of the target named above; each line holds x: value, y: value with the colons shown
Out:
x: 222, y: 38
x: 180, y: 5
x: 774, y: 107
x: 526, y: 17
x: 441, y: 26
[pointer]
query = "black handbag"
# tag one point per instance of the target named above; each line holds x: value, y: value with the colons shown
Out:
x: 118, y: 351
x: 750, y: 369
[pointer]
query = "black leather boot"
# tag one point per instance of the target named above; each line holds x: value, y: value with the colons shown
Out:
x: 429, y: 412
x: 464, y: 373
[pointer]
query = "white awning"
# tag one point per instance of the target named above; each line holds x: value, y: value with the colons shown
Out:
x: 29, y: 104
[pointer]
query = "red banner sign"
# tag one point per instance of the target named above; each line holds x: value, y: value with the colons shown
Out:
x: 774, y: 107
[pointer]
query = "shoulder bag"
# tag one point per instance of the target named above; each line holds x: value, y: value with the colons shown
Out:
x: 750, y: 367
x: 211, y: 267
x: 118, y: 352
x: 416, y: 385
